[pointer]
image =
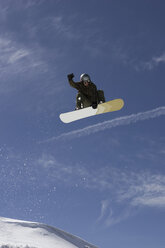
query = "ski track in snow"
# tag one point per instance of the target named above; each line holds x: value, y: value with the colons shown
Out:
x: 24, y: 234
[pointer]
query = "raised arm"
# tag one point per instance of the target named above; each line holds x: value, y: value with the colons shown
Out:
x: 72, y: 83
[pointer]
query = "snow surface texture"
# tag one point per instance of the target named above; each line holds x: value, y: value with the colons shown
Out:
x: 24, y: 234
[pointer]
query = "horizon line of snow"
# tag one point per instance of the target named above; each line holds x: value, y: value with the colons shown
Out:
x: 125, y: 120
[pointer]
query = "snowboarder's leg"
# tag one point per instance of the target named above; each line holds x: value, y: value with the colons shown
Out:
x: 101, y: 97
x: 78, y: 101
x: 86, y: 102
x: 82, y: 101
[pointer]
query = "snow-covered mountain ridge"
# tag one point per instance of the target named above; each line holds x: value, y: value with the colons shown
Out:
x: 25, y: 234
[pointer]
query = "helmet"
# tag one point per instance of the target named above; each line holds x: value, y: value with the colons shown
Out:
x: 85, y: 78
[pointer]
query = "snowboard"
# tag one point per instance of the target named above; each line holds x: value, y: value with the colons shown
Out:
x: 102, y: 108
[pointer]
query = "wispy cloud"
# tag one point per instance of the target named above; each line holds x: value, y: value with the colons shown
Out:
x: 62, y: 27
x: 112, y: 217
x: 18, y: 55
x: 8, y: 5
x: 61, y: 173
x: 147, y: 190
x: 125, y: 120
x: 125, y: 190
x: 107, y: 216
x: 151, y: 64
x: 18, y: 61
x: 104, y: 207
x: 16, y: 58
x: 137, y: 188
x: 159, y: 59
x: 132, y: 191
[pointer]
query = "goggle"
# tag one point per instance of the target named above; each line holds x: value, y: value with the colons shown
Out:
x: 86, y: 79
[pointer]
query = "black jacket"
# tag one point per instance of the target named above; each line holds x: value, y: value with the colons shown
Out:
x: 89, y: 91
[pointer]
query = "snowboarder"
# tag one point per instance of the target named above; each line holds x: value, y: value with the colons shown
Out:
x: 88, y: 95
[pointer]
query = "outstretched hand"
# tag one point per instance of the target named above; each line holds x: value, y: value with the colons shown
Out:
x: 70, y: 76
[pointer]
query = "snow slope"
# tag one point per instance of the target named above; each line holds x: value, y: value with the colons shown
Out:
x: 24, y: 234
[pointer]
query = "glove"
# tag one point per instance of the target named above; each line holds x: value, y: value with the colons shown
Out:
x: 70, y: 76
x: 94, y: 105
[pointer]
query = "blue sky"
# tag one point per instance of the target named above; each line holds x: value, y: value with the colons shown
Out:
x: 101, y: 178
